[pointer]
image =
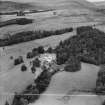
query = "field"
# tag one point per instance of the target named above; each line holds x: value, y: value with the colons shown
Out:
x: 49, y: 21
x: 63, y: 84
x: 9, y: 71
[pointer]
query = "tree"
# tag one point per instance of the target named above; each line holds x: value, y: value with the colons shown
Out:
x: 29, y: 55
x: 72, y: 65
x: 11, y: 57
x: 40, y: 49
x: 103, y: 103
x: 61, y: 43
x: 23, y: 68
x: 83, y: 29
x: 6, y: 103
x: 31, y: 87
x: 49, y: 50
x: 100, y: 83
x: 24, y: 101
x: 23, y: 21
x: 36, y: 63
x: 33, y: 69
x: 43, y: 81
x: 19, y: 60
x: 62, y: 58
x: 34, y: 50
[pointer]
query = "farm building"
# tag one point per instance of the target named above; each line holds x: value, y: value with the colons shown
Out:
x: 47, y: 59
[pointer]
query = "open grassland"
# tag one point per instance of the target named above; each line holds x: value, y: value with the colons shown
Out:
x: 23, y: 48
x: 64, y: 84
x: 13, y: 80
x: 49, y: 21
x: 11, y: 76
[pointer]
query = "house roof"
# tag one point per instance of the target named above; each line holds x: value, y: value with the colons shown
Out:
x: 47, y: 57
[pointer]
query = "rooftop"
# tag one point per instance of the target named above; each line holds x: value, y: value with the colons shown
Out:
x: 47, y: 57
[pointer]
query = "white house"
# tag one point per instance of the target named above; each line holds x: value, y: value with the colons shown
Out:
x: 47, y: 59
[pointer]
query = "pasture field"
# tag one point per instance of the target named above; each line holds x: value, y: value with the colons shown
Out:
x: 13, y: 80
x: 49, y: 21
x: 66, y: 87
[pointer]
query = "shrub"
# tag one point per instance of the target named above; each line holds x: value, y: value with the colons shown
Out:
x: 23, y: 21
x: 24, y: 98
x: 33, y: 69
x: 36, y: 63
x: 100, y: 83
x: 11, y: 57
x: 89, y: 59
x: 35, y: 52
x: 20, y: 21
x: 30, y: 87
x: 6, y: 103
x: 17, y: 100
x: 29, y: 55
x: 40, y: 50
x: 34, y: 95
x: 18, y: 60
x: 83, y: 29
x: 23, y: 68
x: 103, y: 103
x: 49, y: 50
x: 43, y: 81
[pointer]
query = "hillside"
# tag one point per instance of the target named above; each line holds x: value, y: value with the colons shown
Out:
x: 66, y: 4
x: 74, y: 4
x: 13, y: 6
x: 101, y: 4
x: 69, y: 12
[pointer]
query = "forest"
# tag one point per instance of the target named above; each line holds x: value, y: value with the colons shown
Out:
x: 31, y: 35
x: 87, y: 46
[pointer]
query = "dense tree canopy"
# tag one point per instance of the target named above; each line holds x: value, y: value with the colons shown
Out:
x: 25, y: 36
x: 89, y: 46
x: 23, y: 68
x: 73, y: 64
